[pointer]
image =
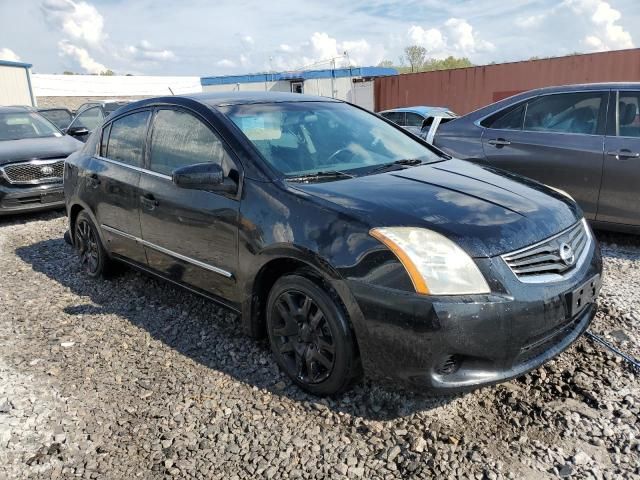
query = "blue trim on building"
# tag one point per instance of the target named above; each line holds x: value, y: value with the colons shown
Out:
x: 301, y: 75
x: 7, y: 63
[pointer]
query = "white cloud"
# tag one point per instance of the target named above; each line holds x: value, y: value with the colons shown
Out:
x: 81, y: 56
x: 607, y: 34
x: 8, y: 54
x: 431, y: 38
x: 78, y: 20
x: 322, y: 49
x: 455, y: 37
x: 530, y: 21
x: 145, y: 52
x: 226, y: 63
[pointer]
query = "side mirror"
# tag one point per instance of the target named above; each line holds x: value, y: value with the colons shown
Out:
x: 77, y: 131
x: 204, y: 176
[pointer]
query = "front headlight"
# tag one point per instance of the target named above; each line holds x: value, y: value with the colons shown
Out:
x: 435, y: 264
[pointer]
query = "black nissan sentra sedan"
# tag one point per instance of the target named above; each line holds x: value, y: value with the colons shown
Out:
x: 354, y: 245
x: 32, y: 153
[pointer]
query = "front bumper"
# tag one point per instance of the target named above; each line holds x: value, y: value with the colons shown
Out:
x: 450, y: 343
x: 17, y: 199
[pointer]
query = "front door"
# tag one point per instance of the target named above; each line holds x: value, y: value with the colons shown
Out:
x: 112, y: 180
x: 556, y: 139
x: 620, y: 193
x: 189, y: 235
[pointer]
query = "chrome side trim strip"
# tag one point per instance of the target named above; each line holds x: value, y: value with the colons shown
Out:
x: 133, y: 167
x: 171, y: 253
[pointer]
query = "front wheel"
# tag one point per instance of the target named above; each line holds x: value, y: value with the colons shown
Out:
x: 310, y: 336
x: 93, y: 257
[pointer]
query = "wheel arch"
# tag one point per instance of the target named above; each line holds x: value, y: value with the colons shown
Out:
x: 278, y: 262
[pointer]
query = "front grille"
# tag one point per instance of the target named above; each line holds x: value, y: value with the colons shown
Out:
x: 34, y: 172
x: 552, y: 258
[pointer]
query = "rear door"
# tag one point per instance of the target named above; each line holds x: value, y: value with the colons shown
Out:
x: 620, y: 193
x: 557, y: 139
x: 113, y: 178
x: 189, y: 235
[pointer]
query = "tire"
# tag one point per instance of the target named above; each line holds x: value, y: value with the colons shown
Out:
x: 311, y: 337
x: 94, y: 259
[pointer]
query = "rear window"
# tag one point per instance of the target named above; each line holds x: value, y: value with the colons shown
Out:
x: 395, y: 117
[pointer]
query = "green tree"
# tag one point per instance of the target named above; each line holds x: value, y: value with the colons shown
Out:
x: 446, y: 64
x: 107, y: 73
x: 415, y: 56
x: 386, y: 64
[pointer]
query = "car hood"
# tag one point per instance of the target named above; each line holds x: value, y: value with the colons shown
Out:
x: 487, y: 212
x: 32, y: 148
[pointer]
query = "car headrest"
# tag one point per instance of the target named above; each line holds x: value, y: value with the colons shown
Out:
x: 627, y: 115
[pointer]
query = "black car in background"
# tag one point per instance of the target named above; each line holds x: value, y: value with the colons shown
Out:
x: 60, y: 117
x: 583, y: 139
x: 32, y: 153
x: 350, y: 242
x: 89, y: 116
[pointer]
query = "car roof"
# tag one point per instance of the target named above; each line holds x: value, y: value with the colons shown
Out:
x: 421, y: 110
x: 586, y: 86
x: 218, y: 99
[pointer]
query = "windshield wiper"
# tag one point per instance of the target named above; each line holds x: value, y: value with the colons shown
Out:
x: 397, y: 165
x: 320, y: 175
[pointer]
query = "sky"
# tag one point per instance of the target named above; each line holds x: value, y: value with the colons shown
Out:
x: 222, y: 37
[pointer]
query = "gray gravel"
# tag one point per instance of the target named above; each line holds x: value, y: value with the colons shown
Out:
x: 134, y: 378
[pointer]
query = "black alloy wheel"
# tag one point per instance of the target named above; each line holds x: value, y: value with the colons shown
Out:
x: 88, y: 246
x: 303, y: 337
x: 310, y: 336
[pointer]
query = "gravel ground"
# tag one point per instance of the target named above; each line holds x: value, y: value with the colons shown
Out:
x: 134, y: 378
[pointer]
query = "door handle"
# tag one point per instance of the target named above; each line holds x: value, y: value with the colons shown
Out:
x: 624, y: 153
x: 149, y: 201
x: 499, y: 142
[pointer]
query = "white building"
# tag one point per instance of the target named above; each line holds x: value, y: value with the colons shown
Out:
x: 15, y: 84
x: 354, y: 84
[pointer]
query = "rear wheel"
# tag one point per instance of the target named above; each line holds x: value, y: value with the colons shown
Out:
x: 310, y: 336
x: 93, y: 257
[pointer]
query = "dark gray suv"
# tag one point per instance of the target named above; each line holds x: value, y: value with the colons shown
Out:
x: 583, y: 139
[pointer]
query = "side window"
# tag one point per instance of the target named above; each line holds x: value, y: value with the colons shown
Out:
x: 629, y: 114
x: 510, y: 120
x: 89, y: 119
x: 395, y: 117
x: 180, y: 139
x: 565, y: 113
x: 413, y: 120
x: 127, y: 138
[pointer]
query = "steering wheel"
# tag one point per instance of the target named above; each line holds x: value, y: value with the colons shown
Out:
x: 337, y: 153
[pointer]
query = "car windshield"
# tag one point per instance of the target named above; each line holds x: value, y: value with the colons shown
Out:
x: 20, y: 125
x: 303, y: 138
